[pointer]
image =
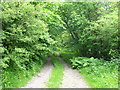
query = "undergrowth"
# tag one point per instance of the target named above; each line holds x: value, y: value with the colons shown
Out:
x: 97, y: 72
x: 67, y: 54
x: 15, y: 78
x: 56, y: 77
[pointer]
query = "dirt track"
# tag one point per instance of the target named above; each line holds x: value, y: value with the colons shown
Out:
x: 71, y: 79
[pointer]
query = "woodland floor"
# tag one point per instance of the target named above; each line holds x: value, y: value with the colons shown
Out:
x: 71, y: 79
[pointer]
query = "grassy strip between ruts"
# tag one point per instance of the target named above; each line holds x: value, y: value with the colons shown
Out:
x: 57, y: 74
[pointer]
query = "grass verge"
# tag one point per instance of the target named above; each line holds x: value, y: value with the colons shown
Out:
x: 100, y: 79
x: 18, y: 78
x: 98, y: 73
x: 57, y: 73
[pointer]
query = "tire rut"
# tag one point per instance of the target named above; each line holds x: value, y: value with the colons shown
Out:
x: 42, y: 78
x: 72, y: 78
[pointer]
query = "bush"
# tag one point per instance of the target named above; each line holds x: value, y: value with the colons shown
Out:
x: 81, y: 62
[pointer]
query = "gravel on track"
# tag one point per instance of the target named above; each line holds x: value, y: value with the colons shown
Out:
x: 42, y: 78
x: 72, y: 78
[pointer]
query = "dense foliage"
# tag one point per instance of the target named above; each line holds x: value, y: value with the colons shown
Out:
x: 25, y: 38
x: 33, y: 30
x: 93, y: 28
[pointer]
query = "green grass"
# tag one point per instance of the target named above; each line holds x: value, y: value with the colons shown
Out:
x: 97, y: 73
x: 100, y: 80
x: 19, y: 78
x: 57, y: 74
